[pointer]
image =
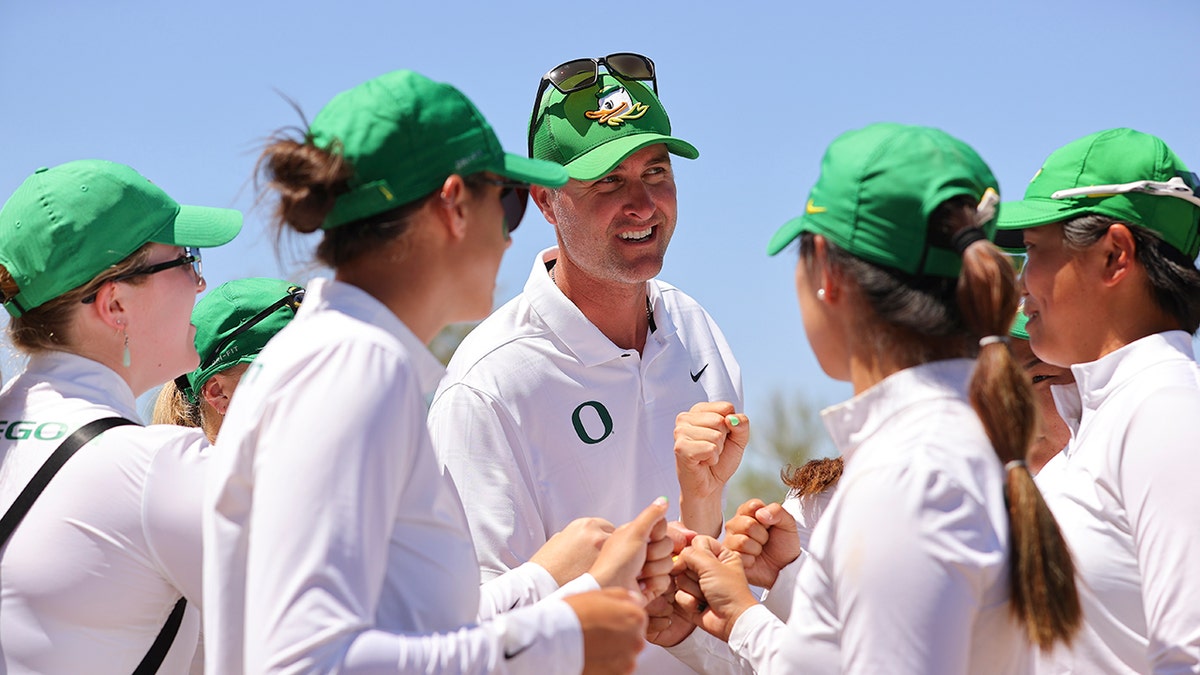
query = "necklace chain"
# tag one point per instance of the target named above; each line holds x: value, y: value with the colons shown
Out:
x: 649, y: 310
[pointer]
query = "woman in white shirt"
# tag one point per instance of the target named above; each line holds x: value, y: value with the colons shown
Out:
x: 337, y: 542
x: 936, y: 554
x: 100, y: 286
x: 1111, y: 227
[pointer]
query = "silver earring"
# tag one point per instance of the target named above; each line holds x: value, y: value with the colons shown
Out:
x: 125, y: 359
x: 821, y: 294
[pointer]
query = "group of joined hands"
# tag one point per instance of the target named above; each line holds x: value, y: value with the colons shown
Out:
x: 661, y: 580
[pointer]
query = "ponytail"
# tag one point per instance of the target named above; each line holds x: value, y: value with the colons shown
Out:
x: 173, y: 407
x: 1042, y: 575
x: 306, y: 181
x: 814, y: 476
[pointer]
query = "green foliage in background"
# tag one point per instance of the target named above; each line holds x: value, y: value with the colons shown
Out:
x: 789, y: 432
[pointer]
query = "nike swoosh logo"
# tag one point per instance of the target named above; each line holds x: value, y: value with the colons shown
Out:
x: 811, y: 208
x: 514, y: 654
x: 696, y: 376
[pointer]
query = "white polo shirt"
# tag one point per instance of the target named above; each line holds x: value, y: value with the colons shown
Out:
x: 541, y: 419
x: 1125, y: 496
x: 907, y: 570
x: 336, y: 542
x: 92, y: 572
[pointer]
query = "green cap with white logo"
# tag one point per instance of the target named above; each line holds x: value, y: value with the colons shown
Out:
x: 592, y: 130
x: 405, y: 134
x: 1120, y: 173
x: 66, y: 225
x: 877, y: 189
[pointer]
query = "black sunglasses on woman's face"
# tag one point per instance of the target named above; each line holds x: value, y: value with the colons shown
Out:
x: 514, y: 198
x: 191, y: 257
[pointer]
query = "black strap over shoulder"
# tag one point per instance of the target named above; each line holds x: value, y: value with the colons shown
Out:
x: 24, y: 501
x: 162, y: 644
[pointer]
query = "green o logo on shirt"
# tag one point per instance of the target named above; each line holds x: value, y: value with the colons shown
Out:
x: 600, y: 412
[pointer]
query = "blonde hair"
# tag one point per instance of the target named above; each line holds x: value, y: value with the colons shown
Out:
x: 173, y: 407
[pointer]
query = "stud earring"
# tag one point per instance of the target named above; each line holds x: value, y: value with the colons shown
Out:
x: 821, y: 294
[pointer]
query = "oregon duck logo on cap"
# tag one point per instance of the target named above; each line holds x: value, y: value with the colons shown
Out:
x: 616, y: 106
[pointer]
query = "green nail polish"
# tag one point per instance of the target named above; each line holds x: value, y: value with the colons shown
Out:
x: 733, y: 420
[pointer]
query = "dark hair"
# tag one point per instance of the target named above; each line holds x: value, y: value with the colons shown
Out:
x: 308, y: 180
x: 1174, y: 280
x: 45, y: 327
x: 923, y: 318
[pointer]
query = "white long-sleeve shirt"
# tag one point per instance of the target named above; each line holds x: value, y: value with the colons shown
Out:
x: 708, y: 654
x: 92, y: 572
x: 1124, y: 493
x: 907, y: 570
x: 541, y: 419
x: 336, y: 543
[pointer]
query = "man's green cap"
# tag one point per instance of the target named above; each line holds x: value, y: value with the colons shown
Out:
x: 66, y: 225
x: 1117, y: 159
x: 591, y: 131
x: 877, y: 188
x: 405, y: 134
x: 225, y: 311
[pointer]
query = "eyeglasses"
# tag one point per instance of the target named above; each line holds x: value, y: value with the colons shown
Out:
x: 1018, y: 261
x: 191, y: 257
x: 514, y: 197
x: 582, y: 73
x: 1176, y: 187
x: 292, y: 301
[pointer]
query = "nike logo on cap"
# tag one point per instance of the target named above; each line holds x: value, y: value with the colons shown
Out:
x: 696, y: 376
x: 811, y: 208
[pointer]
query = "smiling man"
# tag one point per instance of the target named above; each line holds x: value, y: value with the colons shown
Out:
x: 562, y: 404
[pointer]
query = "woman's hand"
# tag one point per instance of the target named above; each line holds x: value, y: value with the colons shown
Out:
x: 613, y: 623
x: 637, y: 555
x: 765, y: 537
x: 573, y: 550
x: 712, y: 590
x: 667, y: 626
x: 710, y: 440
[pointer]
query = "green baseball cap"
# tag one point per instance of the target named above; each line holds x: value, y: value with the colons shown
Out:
x: 1120, y: 173
x: 66, y: 225
x: 405, y: 134
x: 235, y: 321
x: 877, y: 188
x: 590, y: 131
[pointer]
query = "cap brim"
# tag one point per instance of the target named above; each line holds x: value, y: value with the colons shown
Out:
x: 532, y: 171
x: 201, y: 226
x: 785, y: 235
x: 601, y: 159
x: 1029, y: 213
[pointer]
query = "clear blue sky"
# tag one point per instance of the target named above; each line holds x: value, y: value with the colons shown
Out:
x: 186, y: 91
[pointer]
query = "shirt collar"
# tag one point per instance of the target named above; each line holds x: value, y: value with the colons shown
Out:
x: 854, y: 421
x: 1096, y: 380
x: 74, y: 376
x: 579, y: 336
x: 329, y: 294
